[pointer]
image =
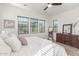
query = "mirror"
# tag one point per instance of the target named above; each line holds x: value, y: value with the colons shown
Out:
x: 67, y: 29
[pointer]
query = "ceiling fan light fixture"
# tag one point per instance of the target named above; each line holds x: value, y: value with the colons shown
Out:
x: 49, y: 5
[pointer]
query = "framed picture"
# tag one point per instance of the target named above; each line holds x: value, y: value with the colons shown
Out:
x: 9, y: 23
x: 67, y: 29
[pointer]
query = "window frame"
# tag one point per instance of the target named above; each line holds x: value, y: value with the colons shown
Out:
x: 44, y: 25
x: 30, y: 25
x: 55, y: 24
x: 26, y: 25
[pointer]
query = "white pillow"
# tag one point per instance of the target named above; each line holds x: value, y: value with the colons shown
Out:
x: 4, y: 48
x: 13, y: 42
x: 4, y: 35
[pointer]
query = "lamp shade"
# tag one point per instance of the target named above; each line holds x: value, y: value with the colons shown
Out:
x: 3, y: 32
x: 50, y: 29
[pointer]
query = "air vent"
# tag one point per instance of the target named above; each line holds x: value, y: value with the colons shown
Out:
x: 25, y: 4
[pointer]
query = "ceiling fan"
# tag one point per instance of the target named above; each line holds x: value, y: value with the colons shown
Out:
x: 52, y: 4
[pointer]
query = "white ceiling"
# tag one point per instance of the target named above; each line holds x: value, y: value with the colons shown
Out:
x: 54, y: 10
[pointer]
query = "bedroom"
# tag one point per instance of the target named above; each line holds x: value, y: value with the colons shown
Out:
x: 31, y: 21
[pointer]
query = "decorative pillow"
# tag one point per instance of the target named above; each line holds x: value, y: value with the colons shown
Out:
x: 4, y: 48
x: 23, y: 40
x: 13, y: 42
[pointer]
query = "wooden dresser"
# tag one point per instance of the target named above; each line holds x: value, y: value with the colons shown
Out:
x: 72, y: 40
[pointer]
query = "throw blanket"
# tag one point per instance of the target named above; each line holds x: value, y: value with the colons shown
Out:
x: 52, y: 50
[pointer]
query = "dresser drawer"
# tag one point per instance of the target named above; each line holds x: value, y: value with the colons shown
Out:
x: 72, y: 40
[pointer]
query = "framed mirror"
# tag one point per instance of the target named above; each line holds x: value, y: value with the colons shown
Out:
x: 67, y: 29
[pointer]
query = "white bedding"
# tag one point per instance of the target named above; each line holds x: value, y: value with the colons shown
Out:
x: 4, y: 48
x: 51, y: 50
x: 34, y: 46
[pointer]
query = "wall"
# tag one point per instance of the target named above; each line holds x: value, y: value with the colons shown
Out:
x: 68, y: 17
x: 11, y: 13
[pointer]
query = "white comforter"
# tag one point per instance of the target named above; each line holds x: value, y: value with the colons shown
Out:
x: 40, y: 47
x: 51, y: 50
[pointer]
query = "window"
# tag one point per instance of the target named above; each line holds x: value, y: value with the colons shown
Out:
x: 41, y: 26
x: 33, y: 25
x: 55, y: 25
x: 30, y: 25
x: 23, y: 25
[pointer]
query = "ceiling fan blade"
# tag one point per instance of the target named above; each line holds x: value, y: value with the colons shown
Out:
x: 56, y: 4
x: 45, y: 8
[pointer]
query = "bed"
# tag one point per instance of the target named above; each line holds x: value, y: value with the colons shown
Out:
x: 10, y: 45
x: 40, y: 47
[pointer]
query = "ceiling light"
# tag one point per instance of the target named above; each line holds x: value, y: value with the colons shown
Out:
x: 49, y: 5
